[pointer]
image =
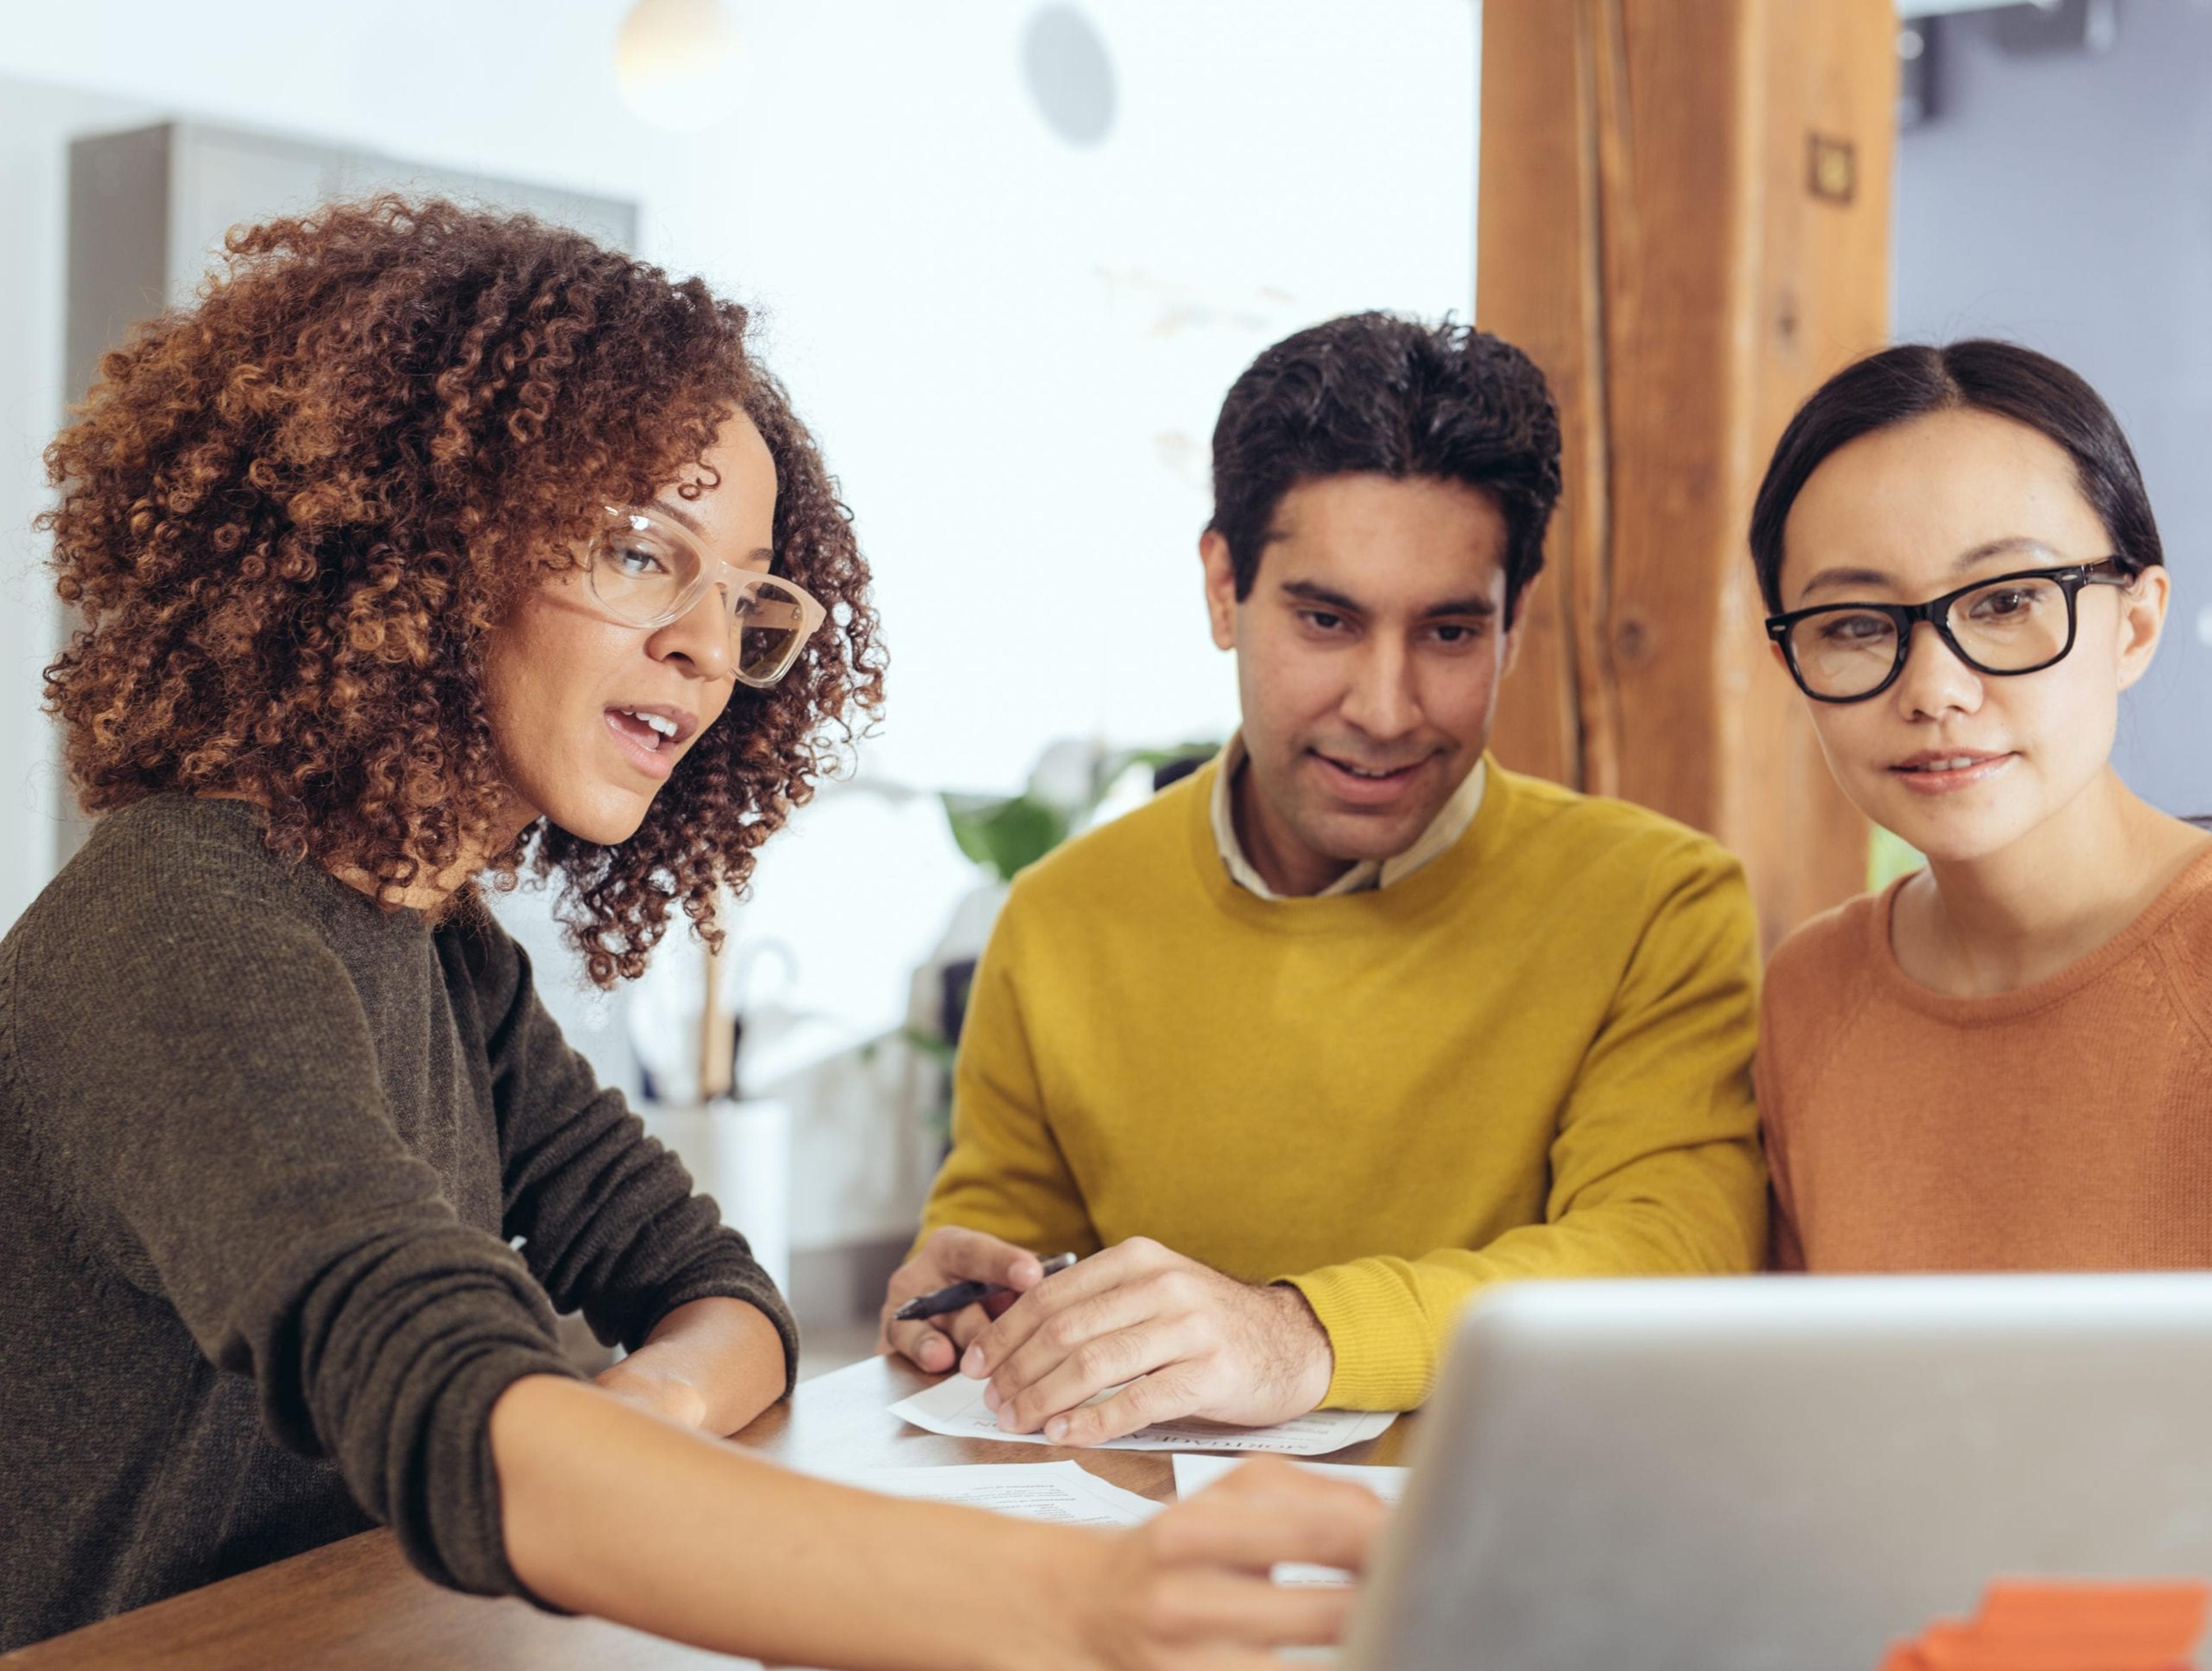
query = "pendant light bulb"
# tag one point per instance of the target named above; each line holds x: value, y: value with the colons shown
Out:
x: 673, y: 60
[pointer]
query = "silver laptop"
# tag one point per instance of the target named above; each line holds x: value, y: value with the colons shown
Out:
x: 1762, y: 1474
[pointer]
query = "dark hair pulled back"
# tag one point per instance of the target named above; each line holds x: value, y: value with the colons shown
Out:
x: 2001, y: 378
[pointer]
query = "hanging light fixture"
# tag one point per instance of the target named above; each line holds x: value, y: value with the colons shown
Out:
x: 674, y: 59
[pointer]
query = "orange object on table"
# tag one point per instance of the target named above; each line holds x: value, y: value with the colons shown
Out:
x: 2051, y: 1626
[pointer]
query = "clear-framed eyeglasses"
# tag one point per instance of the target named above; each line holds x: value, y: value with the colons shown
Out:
x: 2003, y: 626
x: 644, y: 570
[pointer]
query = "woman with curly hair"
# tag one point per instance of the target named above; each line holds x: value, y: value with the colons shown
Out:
x: 427, y: 545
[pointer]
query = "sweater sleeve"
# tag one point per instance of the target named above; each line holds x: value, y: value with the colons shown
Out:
x: 1655, y: 1168
x: 211, y: 1103
x: 608, y: 1217
x: 1785, y: 1245
x: 1005, y: 1174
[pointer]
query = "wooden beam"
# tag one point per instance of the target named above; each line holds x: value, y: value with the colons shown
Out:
x: 1538, y: 199
x: 1684, y: 219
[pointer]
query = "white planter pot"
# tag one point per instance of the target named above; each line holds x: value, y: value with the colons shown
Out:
x: 740, y: 1154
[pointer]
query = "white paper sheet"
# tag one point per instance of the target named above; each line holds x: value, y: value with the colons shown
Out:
x: 1196, y: 1473
x: 955, y: 1407
x: 1058, y: 1491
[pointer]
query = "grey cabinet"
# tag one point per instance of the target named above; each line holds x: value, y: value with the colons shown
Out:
x: 149, y: 208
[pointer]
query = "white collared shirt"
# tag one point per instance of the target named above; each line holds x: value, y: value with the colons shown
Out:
x: 1449, y: 824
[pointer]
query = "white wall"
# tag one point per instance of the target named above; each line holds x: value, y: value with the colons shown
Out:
x: 35, y: 124
x: 1011, y: 349
x: 2061, y: 200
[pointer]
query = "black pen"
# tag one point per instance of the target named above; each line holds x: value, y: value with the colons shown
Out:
x: 960, y: 1296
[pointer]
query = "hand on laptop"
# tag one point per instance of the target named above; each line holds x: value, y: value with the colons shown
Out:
x: 1188, y: 1340
x: 1191, y: 1587
x: 953, y: 1255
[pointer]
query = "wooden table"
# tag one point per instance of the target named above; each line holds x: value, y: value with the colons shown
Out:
x: 357, y: 1605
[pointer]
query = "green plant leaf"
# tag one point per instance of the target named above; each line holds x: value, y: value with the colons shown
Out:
x: 1005, y: 834
x: 1888, y: 858
x: 929, y: 1046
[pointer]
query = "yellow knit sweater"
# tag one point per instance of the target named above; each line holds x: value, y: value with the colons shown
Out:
x: 1530, y: 1059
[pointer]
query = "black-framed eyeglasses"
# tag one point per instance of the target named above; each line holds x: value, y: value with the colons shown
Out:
x: 2004, y: 626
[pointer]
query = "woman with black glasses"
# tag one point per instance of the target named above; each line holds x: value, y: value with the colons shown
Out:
x: 2003, y: 1061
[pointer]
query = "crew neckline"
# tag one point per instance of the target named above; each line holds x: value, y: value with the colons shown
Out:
x: 2196, y: 878
x: 1408, y: 896
x: 246, y: 821
x: 1447, y: 826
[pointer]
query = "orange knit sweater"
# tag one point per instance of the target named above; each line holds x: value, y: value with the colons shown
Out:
x: 2067, y: 1126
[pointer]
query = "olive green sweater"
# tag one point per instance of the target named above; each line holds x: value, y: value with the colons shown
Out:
x: 286, y: 1184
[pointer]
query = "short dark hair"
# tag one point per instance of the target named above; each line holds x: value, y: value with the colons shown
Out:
x: 1914, y: 378
x: 1383, y: 393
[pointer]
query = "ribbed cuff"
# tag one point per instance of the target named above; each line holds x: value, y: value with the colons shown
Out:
x: 460, y: 1539
x: 1386, y: 1353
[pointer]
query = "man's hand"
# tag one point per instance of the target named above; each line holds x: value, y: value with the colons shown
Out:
x: 1188, y: 1340
x: 953, y: 1255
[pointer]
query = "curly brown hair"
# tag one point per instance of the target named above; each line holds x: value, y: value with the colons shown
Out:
x: 291, y: 514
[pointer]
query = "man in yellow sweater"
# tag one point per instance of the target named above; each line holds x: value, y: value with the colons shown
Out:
x: 1352, y: 1023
